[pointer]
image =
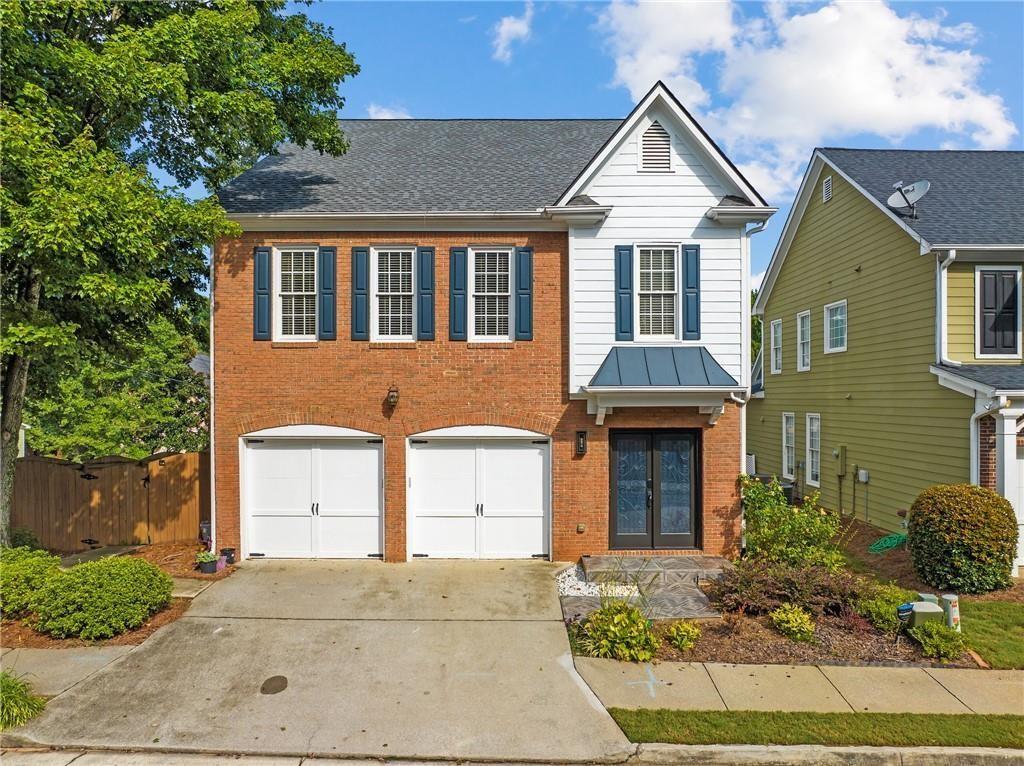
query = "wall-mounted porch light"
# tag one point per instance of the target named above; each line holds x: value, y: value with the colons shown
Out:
x: 392, y: 398
x: 581, y: 443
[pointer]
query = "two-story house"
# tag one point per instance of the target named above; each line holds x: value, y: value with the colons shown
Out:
x: 892, y: 333
x: 485, y: 338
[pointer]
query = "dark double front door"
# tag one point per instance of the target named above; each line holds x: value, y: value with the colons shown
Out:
x: 655, y: 489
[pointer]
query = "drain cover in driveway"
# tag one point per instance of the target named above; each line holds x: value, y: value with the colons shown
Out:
x: 274, y: 684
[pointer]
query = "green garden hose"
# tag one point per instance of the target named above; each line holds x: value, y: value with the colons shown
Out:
x: 888, y: 542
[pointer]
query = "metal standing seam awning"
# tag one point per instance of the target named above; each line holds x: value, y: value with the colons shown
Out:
x: 660, y: 376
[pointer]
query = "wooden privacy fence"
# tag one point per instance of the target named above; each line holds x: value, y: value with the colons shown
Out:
x: 115, y: 500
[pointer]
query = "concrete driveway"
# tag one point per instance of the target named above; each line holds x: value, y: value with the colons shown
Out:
x: 461, y: 660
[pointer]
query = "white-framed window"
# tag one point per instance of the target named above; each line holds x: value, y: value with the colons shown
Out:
x: 788, y: 444
x: 295, y: 293
x: 658, y: 291
x: 656, y: 149
x: 776, y: 345
x: 803, y: 341
x: 835, y: 327
x: 814, y: 449
x: 826, y: 189
x: 490, y: 305
x: 997, y: 311
x: 393, y: 271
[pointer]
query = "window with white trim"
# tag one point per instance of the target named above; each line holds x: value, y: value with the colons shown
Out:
x: 788, y: 444
x: 835, y: 327
x: 776, y: 343
x: 803, y: 341
x: 997, y: 311
x: 394, y: 286
x: 295, y: 294
x: 656, y: 149
x: 658, y: 292
x: 814, y: 449
x: 826, y: 189
x: 491, y: 304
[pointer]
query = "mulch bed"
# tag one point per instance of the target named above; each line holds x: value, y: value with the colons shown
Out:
x: 178, y: 560
x: 17, y: 634
x: 752, y: 640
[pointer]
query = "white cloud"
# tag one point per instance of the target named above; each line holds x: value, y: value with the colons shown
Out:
x: 512, y: 29
x: 806, y: 76
x: 378, y: 112
x: 756, y: 280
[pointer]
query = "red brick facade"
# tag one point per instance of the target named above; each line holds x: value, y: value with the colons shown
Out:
x: 261, y: 384
x: 987, y: 451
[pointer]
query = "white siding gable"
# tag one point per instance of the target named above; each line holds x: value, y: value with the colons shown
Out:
x: 663, y: 208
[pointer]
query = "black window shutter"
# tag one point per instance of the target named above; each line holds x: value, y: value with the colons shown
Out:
x: 997, y: 312
x: 524, y: 293
x: 425, y: 293
x: 327, y: 293
x: 691, y: 292
x: 457, y: 294
x: 360, y: 293
x: 261, y: 294
x: 623, y: 292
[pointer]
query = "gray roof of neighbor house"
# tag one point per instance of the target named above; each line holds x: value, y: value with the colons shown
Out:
x: 975, y: 196
x: 661, y: 366
x: 1001, y: 377
x: 395, y: 166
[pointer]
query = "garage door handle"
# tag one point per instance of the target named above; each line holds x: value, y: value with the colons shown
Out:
x: 318, y: 509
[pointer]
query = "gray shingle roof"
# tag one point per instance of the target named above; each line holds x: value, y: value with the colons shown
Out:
x: 424, y: 166
x: 1002, y: 377
x: 975, y: 197
x: 665, y: 366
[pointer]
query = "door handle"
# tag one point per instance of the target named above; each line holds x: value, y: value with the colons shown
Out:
x: 318, y: 509
x: 312, y: 509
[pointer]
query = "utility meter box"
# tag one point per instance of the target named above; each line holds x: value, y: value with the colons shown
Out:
x: 840, y: 455
x: 925, y: 611
x: 863, y: 476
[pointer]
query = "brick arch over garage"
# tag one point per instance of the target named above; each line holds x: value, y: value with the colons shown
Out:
x: 320, y: 416
x: 488, y: 416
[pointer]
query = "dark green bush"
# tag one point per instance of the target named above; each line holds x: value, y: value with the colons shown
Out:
x: 963, y: 538
x: 789, y: 534
x: 879, y: 606
x: 17, y: 702
x: 618, y: 631
x: 938, y: 641
x: 23, y: 571
x: 100, y: 599
x: 22, y: 537
x: 759, y: 587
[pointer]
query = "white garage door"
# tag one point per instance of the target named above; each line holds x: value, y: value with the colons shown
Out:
x: 479, y: 499
x: 313, y: 498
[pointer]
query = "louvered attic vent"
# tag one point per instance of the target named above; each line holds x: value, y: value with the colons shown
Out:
x: 655, y: 150
x: 826, y: 189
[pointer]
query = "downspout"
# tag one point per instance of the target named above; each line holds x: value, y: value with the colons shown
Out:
x: 941, y: 309
x: 991, y: 407
x: 745, y: 356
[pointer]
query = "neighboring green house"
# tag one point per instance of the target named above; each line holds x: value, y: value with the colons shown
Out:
x: 862, y: 390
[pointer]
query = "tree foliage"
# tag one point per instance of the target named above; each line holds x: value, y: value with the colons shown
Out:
x: 97, y: 92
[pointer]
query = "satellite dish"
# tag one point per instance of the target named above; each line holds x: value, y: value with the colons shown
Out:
x: 908, y: 196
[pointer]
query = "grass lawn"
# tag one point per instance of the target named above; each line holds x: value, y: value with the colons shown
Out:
x: 688, y: 727
x: 995, y: 630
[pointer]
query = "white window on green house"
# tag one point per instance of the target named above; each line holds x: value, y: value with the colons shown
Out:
x: 835, y: 327
x: 776, y: 343
x: 814, y: 449
x: 788, y: 444
x: 803, y: 341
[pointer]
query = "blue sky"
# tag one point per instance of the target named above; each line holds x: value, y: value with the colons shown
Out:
x: 769, y: 82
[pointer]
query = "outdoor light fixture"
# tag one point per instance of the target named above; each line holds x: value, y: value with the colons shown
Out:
x: 581, y: 443
x: 393, y: 396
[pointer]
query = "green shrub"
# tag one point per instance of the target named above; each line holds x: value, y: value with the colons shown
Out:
x: 758, y: 587
x: 100, y: 599
x: 618, y: 631
x: 938, y: 641
x: 205, y: 557
x: 963, y: 538
x: 879, y: 606
x: 17, y: 702
x: 23, y: 571
x: 793, y: 622
x: 23, y: 537
x: 777, y: 531
x: 683, y: 635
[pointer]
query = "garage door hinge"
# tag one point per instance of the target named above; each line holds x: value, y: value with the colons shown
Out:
x: 417, y: 441
x: 421, y: 555
x: 374, y: 441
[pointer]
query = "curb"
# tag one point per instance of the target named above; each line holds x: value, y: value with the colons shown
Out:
x: 818, y: 755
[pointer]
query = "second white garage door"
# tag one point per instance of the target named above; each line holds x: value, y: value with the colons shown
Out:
x: 479, y: 499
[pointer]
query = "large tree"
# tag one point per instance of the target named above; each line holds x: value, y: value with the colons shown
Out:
x: 95, y: 94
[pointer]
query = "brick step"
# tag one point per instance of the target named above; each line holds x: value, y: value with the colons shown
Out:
x: 654, y: 571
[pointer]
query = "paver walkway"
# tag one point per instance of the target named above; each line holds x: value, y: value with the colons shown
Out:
x: 810, y: 688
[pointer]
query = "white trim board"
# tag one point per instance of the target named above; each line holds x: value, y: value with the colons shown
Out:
x: 309, y: 431
x: 479, y: 432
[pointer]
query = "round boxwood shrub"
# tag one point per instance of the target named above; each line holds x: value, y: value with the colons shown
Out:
x: 618, y: 631
x: 963, y: 538
x: 23, y: 571
x: 101, y: 599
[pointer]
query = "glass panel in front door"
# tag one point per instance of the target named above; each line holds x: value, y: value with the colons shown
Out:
x: 674, y: 499
x: 631, y: 485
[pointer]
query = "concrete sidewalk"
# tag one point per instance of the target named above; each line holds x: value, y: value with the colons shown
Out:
x: 54, y: 671
x: 810, y: 688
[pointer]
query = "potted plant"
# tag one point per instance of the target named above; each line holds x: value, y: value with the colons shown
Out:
x: 207, y: 561
x: 228, y: 554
